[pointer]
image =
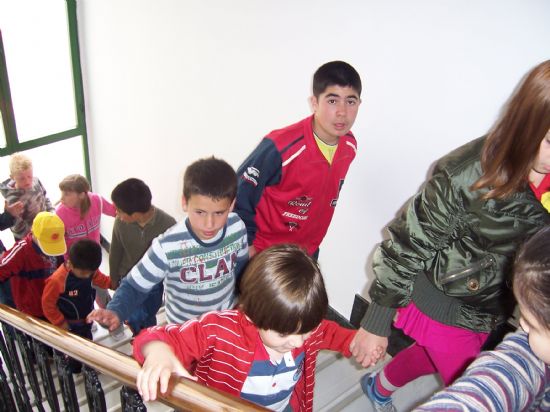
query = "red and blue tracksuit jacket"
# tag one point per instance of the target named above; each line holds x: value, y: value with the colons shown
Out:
x: 287, y: 190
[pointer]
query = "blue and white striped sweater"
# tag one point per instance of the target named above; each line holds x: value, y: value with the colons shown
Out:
x: 198, y: 277
x: 510, y: 378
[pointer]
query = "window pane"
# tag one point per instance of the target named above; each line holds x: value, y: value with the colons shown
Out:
x: 36, y: 43
x: 50, y: 163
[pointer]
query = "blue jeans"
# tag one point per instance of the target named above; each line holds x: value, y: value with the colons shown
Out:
x: 5, y: 294
x: 146, y: 314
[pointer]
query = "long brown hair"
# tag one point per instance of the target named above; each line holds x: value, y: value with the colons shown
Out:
x: 79, y: 184
x: 513, y: 143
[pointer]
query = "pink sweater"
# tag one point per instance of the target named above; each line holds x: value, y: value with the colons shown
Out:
x: 77, y: 228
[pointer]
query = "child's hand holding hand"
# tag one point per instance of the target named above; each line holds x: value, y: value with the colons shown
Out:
x: 368, y: 348
x: 104, y: 317
x: 160, y: 363
x: 15, y: 209
x: 377, y: 354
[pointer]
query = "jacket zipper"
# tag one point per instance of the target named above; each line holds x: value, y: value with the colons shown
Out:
x: 455, y: 275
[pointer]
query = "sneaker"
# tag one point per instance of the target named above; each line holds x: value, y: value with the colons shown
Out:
x: 380, y: 403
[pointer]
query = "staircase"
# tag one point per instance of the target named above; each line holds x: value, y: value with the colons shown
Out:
x: 337, y: 387
x: 337, y: 379
x: 337, y: 382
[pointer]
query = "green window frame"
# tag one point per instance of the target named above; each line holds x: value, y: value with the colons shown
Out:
x: 6, y: 104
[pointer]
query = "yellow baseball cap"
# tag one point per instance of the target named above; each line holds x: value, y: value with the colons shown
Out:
x: 49, y: 232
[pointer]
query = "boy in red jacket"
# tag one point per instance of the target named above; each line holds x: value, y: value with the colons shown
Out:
x: 265, y: 351
x: 290, y: 183
x: 32, y: 260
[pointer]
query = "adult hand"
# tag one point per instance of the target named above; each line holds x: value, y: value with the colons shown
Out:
x: 104, y: 317
x: 160, y: 363
x: 251, y: 251
x: 368, y: 348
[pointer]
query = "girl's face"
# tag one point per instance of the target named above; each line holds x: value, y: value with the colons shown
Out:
x: 71, y: 199
x: 539, y: 335
x: 542, y: 161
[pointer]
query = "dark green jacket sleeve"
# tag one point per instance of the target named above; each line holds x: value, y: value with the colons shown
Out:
x: 427, y: 224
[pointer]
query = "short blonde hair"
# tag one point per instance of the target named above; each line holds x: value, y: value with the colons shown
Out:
x: 19, y: 163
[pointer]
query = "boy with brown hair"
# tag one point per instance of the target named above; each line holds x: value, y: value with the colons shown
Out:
x: 199, y: 259
x: 265, y: 351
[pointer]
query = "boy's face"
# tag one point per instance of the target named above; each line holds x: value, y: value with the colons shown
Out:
x: 79, y: 273
x: 539, y: 335
x: 23, y: 179
x: 334, y: 111
x: 206, y: 215
x: 125, y: 217
x: 281, y: 343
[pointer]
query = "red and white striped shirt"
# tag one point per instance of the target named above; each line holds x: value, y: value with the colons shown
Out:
x: 219, y: 349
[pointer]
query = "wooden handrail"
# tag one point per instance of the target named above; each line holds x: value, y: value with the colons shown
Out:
x: 186, y: 394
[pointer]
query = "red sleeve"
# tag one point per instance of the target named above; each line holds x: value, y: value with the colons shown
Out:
x: 102, y: 280
x: 335, y: 337
x: 54, y: 286
x: 12, y: 261
x: 188, y: 341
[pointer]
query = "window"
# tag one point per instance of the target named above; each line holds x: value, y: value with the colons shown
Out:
x: 41, y: 96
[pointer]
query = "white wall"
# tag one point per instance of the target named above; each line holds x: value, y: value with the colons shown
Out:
x: 169, y: 81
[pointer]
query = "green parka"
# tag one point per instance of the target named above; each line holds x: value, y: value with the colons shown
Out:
x: 451, y: 252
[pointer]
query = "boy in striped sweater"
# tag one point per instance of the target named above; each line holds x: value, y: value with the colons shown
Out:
x: 265, y: 350
x: 516, y: 375
x: 199, y: 259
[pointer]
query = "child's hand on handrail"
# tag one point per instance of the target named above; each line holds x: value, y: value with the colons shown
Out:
x: 160, y: 363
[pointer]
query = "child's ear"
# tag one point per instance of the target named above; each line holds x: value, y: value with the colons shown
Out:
x: 232, y: 205
x: 184, y: 203
x: 68, y: 264
x: 313, y: 103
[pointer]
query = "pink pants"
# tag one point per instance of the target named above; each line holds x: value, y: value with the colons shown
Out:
x: 440, y: 348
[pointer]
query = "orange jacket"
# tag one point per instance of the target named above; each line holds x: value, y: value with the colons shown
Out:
x: 55, y: 287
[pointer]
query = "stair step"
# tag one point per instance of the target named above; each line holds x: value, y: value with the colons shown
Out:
x: 336, y: 377
x: 337, y: 386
